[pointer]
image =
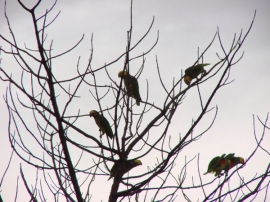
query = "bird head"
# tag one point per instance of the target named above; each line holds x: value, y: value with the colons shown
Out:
x: 93, y: 113
x: 187, y: 80
x: 122, y: 74
x: 241, y: 160
x: 138, y: 162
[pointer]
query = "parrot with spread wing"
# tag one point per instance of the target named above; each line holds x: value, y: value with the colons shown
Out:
x: 193, y: 72
x: 102, y: 123
x: 220, y: 163
x: 216, y: 165
x: 128, y: 165
x: 132, y: 86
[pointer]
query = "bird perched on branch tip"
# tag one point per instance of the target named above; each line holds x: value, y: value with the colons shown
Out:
x: 193, y: 72
x: 223, y: 163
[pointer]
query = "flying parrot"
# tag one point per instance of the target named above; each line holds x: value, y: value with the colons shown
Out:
x: 128, y: 165
x: 216, y: 165
x: 102, y: 123
x: 193, y: 72
x: 132, y: 86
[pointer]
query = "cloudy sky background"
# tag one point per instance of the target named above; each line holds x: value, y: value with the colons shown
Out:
x: 183, y: 27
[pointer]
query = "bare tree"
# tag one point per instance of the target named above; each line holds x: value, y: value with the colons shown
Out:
x: 55, y: 144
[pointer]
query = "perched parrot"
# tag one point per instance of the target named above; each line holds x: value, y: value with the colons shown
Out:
x: 233, y: 161
x: 223, y: 162
x: 193, y: 72
x: 102, y: 123
x: 128, y: 166
x: 216, y: 165
x: 132, y: 86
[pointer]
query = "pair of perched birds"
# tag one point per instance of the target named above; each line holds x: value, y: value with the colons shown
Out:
x: 219, y: 163
x: 216, y: 165
x: 132, y: 87
x: 223, y: 163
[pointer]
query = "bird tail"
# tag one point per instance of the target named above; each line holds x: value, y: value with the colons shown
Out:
x: 109, y: 135
x: 138, y: 100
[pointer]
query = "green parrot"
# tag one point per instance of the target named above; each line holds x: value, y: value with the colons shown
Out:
x: 193, y: 72
x: 132, y: 86
x: 128, y: 165
x: 216, y: 165
x: 233, y: 161
x: 225, y: 163
x: 102, y: 123
x: 229, y: 156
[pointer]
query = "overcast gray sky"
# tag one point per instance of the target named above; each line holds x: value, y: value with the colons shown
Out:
x: 183, y: 27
